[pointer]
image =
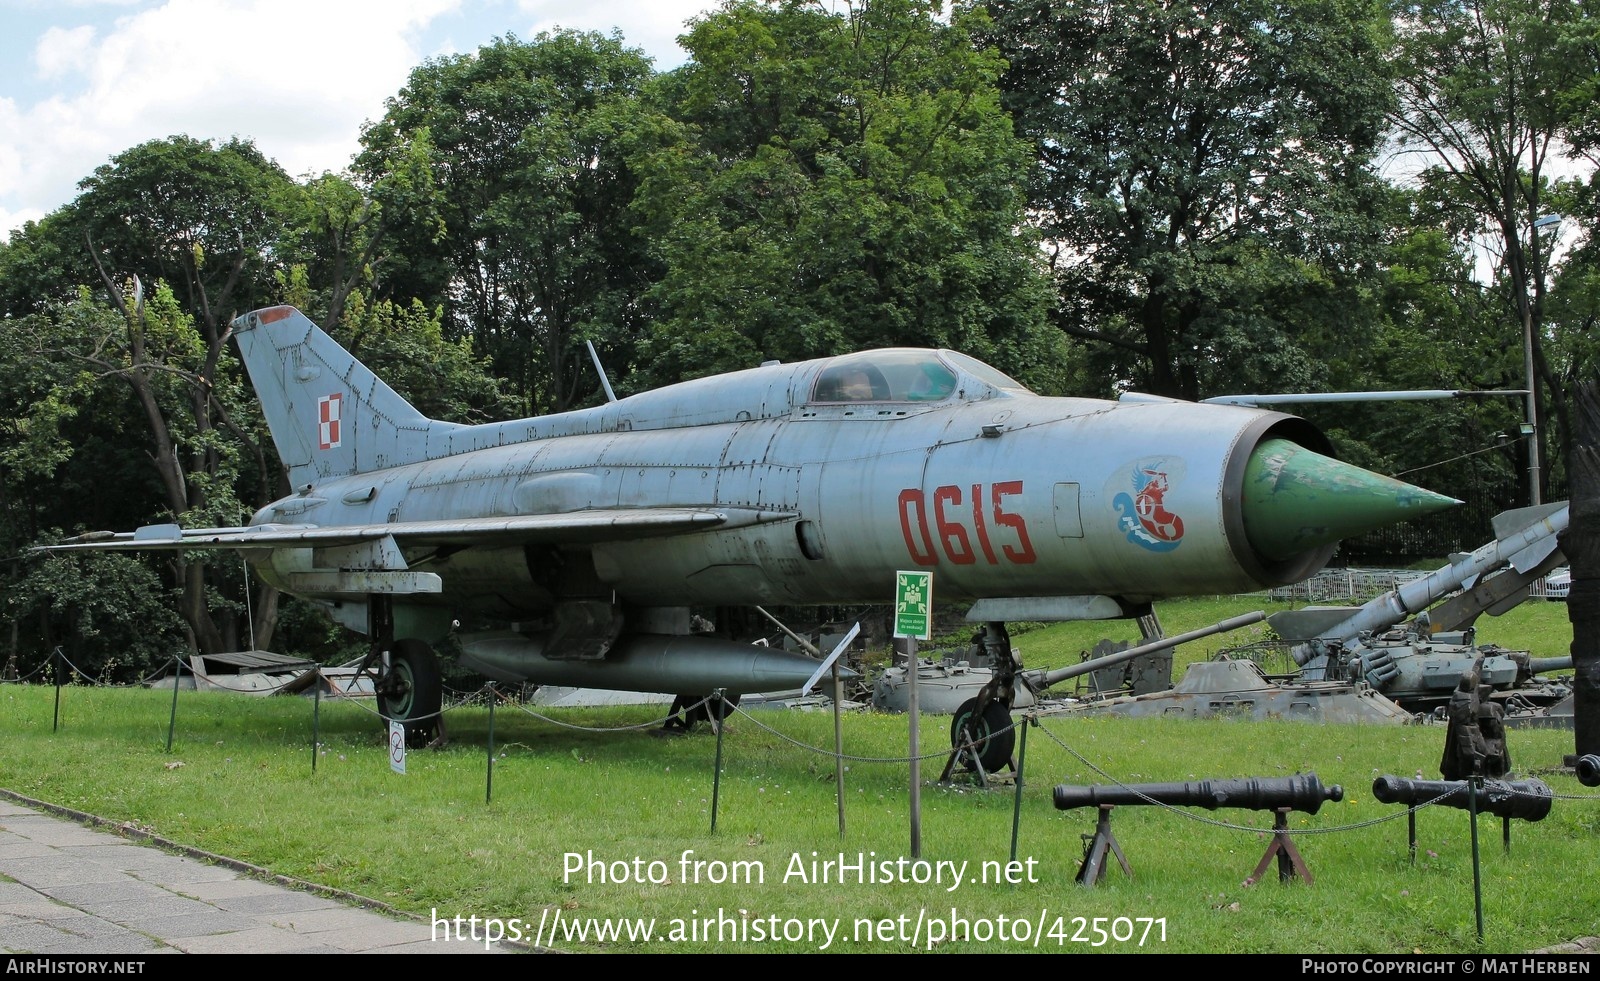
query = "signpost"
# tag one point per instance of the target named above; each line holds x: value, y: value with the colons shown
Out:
x: 913, y: 605
x: 913, y: 620
x: 397, y: 746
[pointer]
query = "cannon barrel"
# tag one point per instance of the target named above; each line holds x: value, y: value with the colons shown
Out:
x: 1526, y: 799
x: 1589, y: 770
x: 1040, y: 679
x: 1539, y: 665
x: 1302, y: 792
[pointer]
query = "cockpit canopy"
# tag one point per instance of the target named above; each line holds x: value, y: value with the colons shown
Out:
x: 902, y: 375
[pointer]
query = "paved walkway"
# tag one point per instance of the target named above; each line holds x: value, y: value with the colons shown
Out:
x: 66, y: 888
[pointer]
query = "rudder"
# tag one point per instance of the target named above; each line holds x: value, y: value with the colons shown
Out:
x: 330, y: 416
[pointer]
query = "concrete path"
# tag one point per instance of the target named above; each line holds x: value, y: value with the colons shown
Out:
x: 67, y: 888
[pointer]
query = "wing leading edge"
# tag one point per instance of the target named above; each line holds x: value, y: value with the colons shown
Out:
x: 571, y: 528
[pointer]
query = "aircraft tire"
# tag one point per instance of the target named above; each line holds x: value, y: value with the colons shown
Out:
x: 415, y: 697
x: 992, y: 733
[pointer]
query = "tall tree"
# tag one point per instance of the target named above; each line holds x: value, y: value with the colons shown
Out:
x: 178, y: 236
x: 73, y: 454
x: 348, y: 238
x: 1485, y: 101
x: 1204, y: 176
x: 840, y: 176
x: 406, y: 346
x: 199, y: 216
x: 536, y: 254
x: 1433, y: 327
x: 140, y: 362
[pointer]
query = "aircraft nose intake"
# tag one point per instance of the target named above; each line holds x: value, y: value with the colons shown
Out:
x: 1296, y: 500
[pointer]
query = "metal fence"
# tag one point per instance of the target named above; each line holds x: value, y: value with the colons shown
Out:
x: 1360, y: 585
x: 1342, y: 585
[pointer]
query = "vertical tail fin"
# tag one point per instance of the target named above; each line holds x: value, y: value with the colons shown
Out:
x: 330, y: 416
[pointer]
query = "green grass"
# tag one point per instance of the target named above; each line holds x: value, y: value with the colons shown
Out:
x: 427, y: 841
x: 1542, y: 628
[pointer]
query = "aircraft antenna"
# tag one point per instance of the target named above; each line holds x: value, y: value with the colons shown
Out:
x: 601, y: 371
x: 249, y: 607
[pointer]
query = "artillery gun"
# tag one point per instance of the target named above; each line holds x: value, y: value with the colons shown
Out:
x: 1369, y: 664
x: 1526, y: 800
x: 1416, y: 664
x: 1302, y: 792
x: 1588, y: 770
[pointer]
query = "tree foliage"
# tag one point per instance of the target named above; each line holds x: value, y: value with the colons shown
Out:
x: 535, y: 255
x: 199, y: 217
x: 110, y: 616
x: 1487, y: 107
x: 1204, y: 175
x: 834, y: 181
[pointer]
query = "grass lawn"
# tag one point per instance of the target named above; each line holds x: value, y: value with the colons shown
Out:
x: 593, y: 822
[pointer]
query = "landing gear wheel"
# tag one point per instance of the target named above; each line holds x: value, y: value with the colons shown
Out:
x: 991, y: 733
x: 410, y: 691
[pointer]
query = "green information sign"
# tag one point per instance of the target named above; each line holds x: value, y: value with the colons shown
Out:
x: 913, y: 605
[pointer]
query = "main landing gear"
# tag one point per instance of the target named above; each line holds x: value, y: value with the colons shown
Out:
x: 986, y: 733
x: 982, y: 735
x: 410, y: 691
x: 406, y: 676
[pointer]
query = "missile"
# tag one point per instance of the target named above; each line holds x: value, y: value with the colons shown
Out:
x: 1526, y: 540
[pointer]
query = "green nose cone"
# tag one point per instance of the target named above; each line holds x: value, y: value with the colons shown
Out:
x: 1296, y: 500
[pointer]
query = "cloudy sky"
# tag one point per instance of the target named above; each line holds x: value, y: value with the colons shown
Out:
x: 83, y: 80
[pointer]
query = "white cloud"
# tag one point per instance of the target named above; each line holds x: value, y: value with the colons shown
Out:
x: 294, y: 75
x: 652, y: 26
x: 62, y: 50
x: 297, y: 77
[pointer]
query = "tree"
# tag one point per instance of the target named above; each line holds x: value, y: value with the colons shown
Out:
x: 190, y: 402
x: 1204, y: 177
x: 110, y: 615
x: 179, y: 235
x: 536, y: 253
x: 45, y: 262
x: 201, y: 217
x: 1433, y: 326
x: 345, y: 237
x: 407, y: 348
x: 1485, y: 102
x: 836, y: 181
x: 75, y: 454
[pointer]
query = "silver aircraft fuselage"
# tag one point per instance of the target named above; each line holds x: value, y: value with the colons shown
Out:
x: 1002, y: 493
x: 591, y: 534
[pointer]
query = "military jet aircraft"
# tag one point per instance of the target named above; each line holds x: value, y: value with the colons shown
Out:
x: 587, y: 537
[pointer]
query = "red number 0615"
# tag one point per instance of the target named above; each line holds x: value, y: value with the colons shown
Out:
x: 959, y: 520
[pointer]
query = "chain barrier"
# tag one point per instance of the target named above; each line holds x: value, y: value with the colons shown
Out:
x: 1213, y: 822
x: 829, y: 752
x: 78, y: 671
x: 663, y: 720
x: 22, y: 680
x: 820, y: 751
x: 481, y: 697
